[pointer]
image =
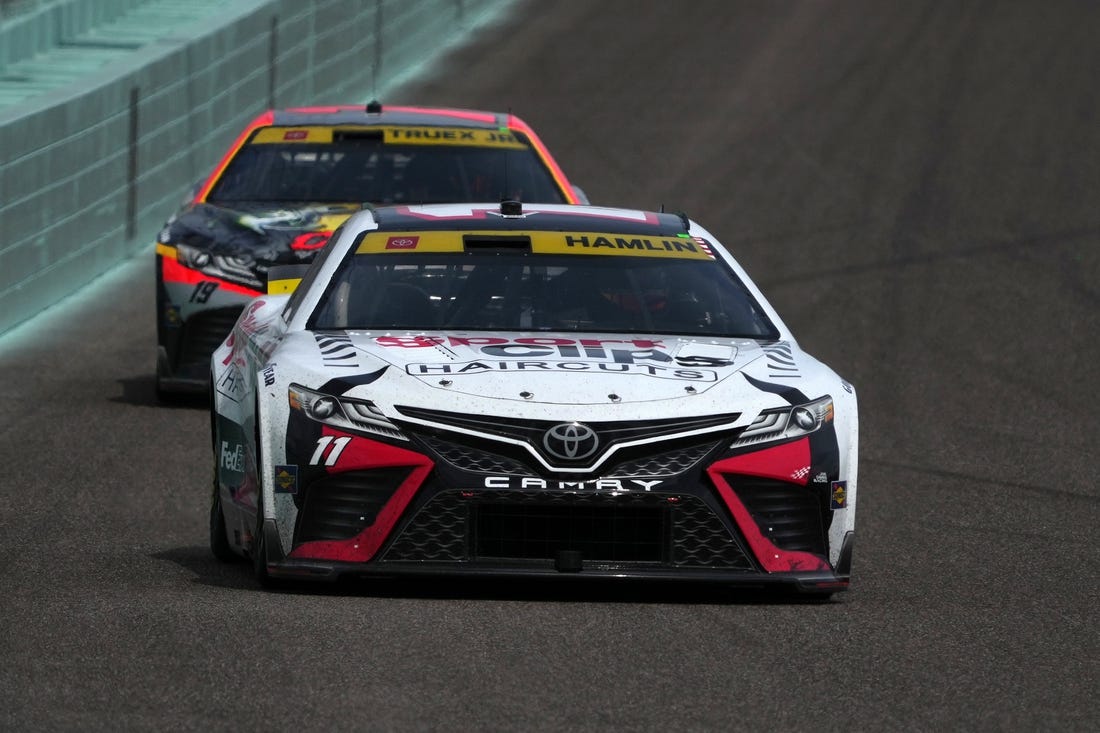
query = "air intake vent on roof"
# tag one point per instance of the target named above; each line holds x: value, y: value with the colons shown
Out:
x: 489, y: 244
x: 357, y: 136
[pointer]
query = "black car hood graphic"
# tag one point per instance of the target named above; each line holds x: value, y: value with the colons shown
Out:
x: 264, y: 233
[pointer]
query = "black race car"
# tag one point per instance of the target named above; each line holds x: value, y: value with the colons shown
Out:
x: 293, y: 176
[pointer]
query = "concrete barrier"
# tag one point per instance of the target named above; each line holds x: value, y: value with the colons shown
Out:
x: 89, y: 172
x: 32, y: 28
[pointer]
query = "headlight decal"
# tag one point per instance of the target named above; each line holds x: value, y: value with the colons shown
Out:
x: 786, y: 423
x: 234, y: 268
x: 174, y: 271
x: 360, y: 416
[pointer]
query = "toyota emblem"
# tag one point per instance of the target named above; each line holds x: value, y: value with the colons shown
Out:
x: 570, y: 441
x: 406, y: 242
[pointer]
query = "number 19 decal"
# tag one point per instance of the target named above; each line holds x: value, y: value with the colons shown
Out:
x: 203, y: 290
x: 329, y: 449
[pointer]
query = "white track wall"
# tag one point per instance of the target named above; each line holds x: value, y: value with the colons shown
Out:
x: 88, y: 173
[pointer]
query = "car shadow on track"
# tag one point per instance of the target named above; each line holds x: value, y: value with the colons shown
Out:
x: 141, y: 391
x: 238, y: 576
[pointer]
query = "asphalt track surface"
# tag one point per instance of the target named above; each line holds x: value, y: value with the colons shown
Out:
x: 915, y: 185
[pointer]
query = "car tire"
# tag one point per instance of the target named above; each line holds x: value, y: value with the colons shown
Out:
x: 258, y: 551
x: 259, y: 554
x: 164, y: 397
x: 219, y: 543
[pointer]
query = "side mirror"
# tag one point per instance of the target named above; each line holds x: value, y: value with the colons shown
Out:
x: 582, y: 197
x: 283, y: 279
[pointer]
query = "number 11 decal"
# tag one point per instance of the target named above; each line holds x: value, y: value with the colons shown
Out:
x: 334, y: 446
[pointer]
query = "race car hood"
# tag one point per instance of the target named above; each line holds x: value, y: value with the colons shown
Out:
x: 560, y: 368
x: 256, y: 235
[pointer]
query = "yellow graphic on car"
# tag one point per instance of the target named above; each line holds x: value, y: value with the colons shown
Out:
x: 283, y: 286
x: 392, y: 135
x: 538, y: 242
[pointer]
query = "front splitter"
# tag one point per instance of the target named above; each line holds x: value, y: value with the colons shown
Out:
x: 816, y: 583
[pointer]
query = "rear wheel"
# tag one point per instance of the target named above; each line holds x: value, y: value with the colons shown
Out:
x: 219, y: 543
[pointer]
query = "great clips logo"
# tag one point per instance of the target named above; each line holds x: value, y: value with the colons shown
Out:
x: 646, y: 357
x: 404, y: 242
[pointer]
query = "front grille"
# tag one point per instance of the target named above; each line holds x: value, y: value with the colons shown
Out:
x: 619, y: 530
x: 669, y: 463
x: 466, y: 458
x: 793, y: 517
x: 532, y: 432
x: 340, y: 506
x: 203, y: 333
x: 700, y: 539
x: 600, y: 533
x: 436, y: 534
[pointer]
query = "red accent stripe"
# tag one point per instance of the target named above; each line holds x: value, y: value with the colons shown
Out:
x: 782, y: 462
x: 174, y: 272
x: 515, y: 123
x: 262, y: 121
x: 363, y: 453
x: 787, y: 462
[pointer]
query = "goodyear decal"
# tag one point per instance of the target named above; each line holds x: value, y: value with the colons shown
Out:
x: 463, y: 136
x: 838, y: 495
x: 591, y: 243
x: 286, y: 479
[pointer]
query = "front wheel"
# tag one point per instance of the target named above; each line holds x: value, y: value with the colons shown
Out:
x: 219, y: 543
x: 258, y: 551
x: 259, y: 546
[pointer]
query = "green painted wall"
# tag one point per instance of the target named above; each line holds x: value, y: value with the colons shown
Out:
x: 91, y: 166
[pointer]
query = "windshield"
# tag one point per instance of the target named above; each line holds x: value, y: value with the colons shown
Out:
x: 515, y: 291
x: 365, y: 168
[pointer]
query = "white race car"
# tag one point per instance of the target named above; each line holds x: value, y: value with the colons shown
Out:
x: 529, y: 390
